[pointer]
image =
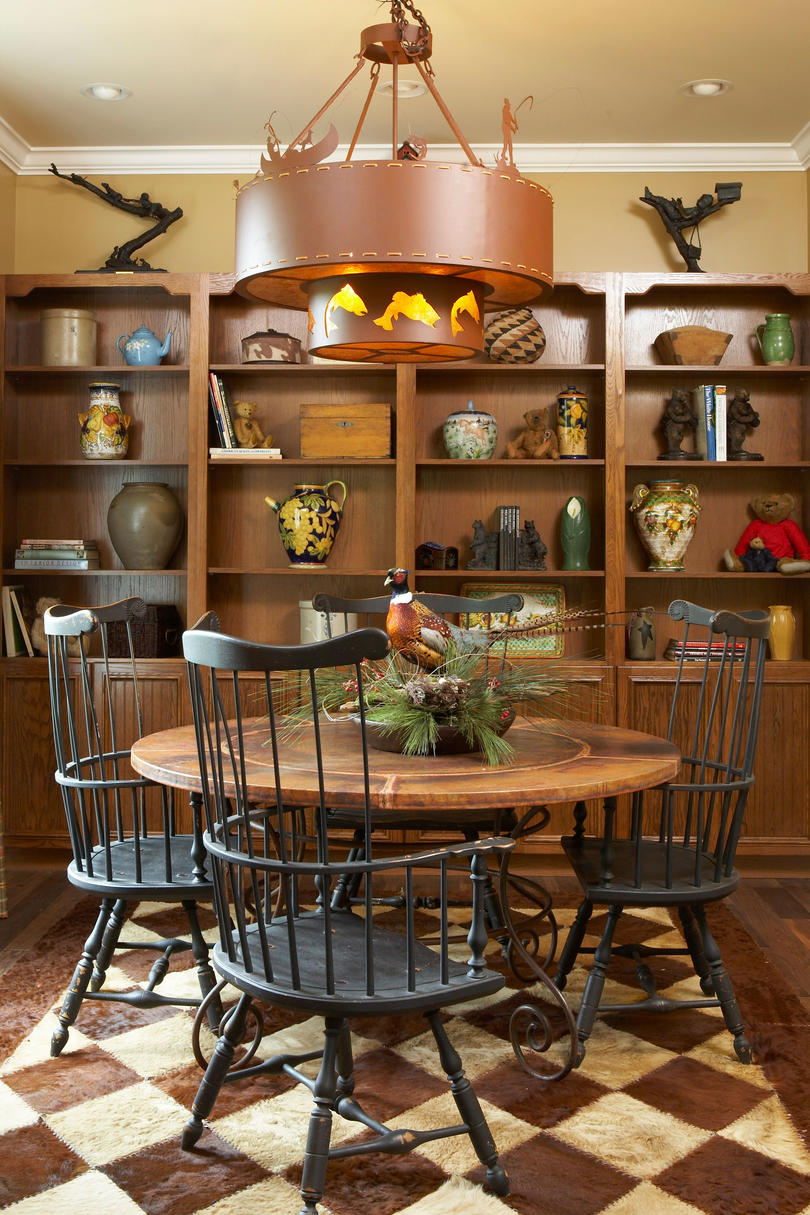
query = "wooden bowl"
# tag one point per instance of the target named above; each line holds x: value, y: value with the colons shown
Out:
x: 692, y: 344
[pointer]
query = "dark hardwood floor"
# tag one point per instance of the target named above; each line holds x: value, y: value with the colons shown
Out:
x: 774, y: 910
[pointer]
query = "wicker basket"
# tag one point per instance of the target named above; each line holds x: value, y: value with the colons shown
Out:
x: 514, y: 336
x: 157, y: 635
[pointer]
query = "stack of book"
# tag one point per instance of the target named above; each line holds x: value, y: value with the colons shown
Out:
x: 709, y: 403
x: 695, y: 651
x: 508, y: 530
x: 57, y: 555
x: 18, y: 616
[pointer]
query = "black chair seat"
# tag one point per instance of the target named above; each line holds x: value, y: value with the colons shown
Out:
x: 121, y: 826
x: 128, y: 857
x: 351, y: 997
x: 586, y: 858
x: 681, y: 839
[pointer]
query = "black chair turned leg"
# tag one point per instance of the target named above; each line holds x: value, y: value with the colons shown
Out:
x: 595, y: 983
x: 573, y: 943
x: 313, y: 1175
x: 694, y: 943
x: 109, y: 942
x: 205, y: 971
x: 231, y: 1031
x: 723, y: 989
x: 81, y: 979
x: 469, y: 1108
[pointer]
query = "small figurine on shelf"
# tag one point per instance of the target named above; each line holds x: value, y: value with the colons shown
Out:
x: 531, y: 549
x: 679, y: 416
x: 434, y: 556
x: 247, y: 430
x: 537, y: 440
x: 772, y: 541
x: 741, y: 417
x: 485, y: 548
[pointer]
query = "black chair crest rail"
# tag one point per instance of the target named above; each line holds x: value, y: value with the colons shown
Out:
x: 306, y: 952
x: 121, y: 825
x: 679, y: 847
x: 519, y: 822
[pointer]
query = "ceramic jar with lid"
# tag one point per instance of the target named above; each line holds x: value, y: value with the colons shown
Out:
x: 572, y: 424
x: 470, y: 434
x: 68, y: 337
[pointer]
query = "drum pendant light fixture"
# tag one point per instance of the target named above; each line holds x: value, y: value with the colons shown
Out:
x: 394, y: 260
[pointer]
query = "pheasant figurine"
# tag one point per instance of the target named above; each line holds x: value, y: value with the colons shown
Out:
x: 423, y: 637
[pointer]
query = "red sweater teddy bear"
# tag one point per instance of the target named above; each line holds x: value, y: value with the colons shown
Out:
x: 771, y: 541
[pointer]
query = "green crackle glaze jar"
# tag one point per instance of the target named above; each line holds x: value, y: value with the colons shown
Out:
x: 308, y: 522
x: 665, y: 514
x: 775, y: 339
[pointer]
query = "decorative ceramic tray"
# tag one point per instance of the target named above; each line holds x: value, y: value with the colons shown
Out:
x: 541, y: 601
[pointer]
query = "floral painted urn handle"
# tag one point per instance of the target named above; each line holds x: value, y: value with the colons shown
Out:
x: 327, y: 490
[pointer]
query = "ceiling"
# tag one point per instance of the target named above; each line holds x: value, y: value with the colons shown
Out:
x: 605, y: 81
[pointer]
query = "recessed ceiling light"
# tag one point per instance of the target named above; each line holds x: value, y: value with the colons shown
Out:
x: 406, y: 89
x: 106, y: 92
x: 706, y: 88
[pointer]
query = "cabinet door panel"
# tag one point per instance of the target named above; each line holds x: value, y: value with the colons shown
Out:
x: 32, y: 803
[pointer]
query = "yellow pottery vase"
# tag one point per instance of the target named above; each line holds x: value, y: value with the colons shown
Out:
x: 783, y: 631
x: 665, y: 514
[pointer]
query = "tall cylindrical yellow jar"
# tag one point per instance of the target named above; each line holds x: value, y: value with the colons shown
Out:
x: 783, y: 632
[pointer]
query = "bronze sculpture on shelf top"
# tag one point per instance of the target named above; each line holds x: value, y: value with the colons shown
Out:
x: 676, y: 217
x: 741, y: 416
x: 121, y: 257
x: 679, y: 417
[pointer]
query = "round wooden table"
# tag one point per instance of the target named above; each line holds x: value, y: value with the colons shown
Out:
x: 554, y: 761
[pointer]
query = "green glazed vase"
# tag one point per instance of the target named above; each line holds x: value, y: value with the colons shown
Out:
x: 775, y: 339
x: 308, y: 522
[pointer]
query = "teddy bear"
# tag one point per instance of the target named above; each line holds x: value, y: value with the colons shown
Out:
x: 771, y: 541
x: 39, y: 641
x: 537, y: 440
x: 247, y: 430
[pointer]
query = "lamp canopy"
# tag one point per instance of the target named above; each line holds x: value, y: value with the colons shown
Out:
x: 395, y: 260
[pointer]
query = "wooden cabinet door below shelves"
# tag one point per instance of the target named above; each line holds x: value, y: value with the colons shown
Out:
x: 32, y: 803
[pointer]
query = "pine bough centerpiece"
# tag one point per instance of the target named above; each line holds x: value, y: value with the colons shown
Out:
x: 466, y: 705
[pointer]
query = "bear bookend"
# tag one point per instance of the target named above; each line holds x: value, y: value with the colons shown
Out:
x: 771, y: 541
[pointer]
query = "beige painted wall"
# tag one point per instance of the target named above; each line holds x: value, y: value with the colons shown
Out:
x: 599, y: 224
x: 7, y: 206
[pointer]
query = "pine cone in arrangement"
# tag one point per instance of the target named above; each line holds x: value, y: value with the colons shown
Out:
x: 514, y: 336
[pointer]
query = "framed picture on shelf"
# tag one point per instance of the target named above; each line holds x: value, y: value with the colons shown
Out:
x: 541, y: 602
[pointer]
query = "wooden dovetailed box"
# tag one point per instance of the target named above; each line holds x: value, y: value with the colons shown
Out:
x: 359, y: 431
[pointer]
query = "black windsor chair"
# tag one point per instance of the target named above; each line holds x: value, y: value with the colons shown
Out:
x: 680, y: 846
x: 305, y: 954
x: 518, y: 822
x: 121, y: 825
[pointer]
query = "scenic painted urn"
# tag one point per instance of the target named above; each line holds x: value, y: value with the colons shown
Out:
x: 665, y: 514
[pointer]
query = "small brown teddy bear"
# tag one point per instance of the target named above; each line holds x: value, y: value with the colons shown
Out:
x: 537, y: 440
x: 247, y: 430
x: 38, y: 639
x: 771, y: 541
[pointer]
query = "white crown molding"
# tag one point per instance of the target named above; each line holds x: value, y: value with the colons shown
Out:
x: 239, y: 160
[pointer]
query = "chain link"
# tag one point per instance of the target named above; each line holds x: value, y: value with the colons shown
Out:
x: 414, y: 49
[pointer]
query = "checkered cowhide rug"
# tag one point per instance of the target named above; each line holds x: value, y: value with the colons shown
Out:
x: 660, y: 1119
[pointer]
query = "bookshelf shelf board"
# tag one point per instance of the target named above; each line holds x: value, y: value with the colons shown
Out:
x: 507, y: 575
x: 445, y: 462
x: 11, y: 572
x: 297, y: 571
x: 11, y: 462
x: 298, y: 461
x: 305, y: 369
x: 720, y: 575
x: 97, y: 369
x: 719, y: 374
x: 695, y: 465
x: 487, y: 368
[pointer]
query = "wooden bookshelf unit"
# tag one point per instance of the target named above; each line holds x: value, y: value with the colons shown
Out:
x: 600, y: 331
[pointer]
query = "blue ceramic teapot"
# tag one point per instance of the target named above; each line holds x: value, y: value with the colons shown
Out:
x: 142, y: 348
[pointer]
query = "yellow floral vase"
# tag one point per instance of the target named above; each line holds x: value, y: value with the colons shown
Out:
x: 665, y: 514
x: 572, y: 424
x: 308, y: 522
x: 104, y: 428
